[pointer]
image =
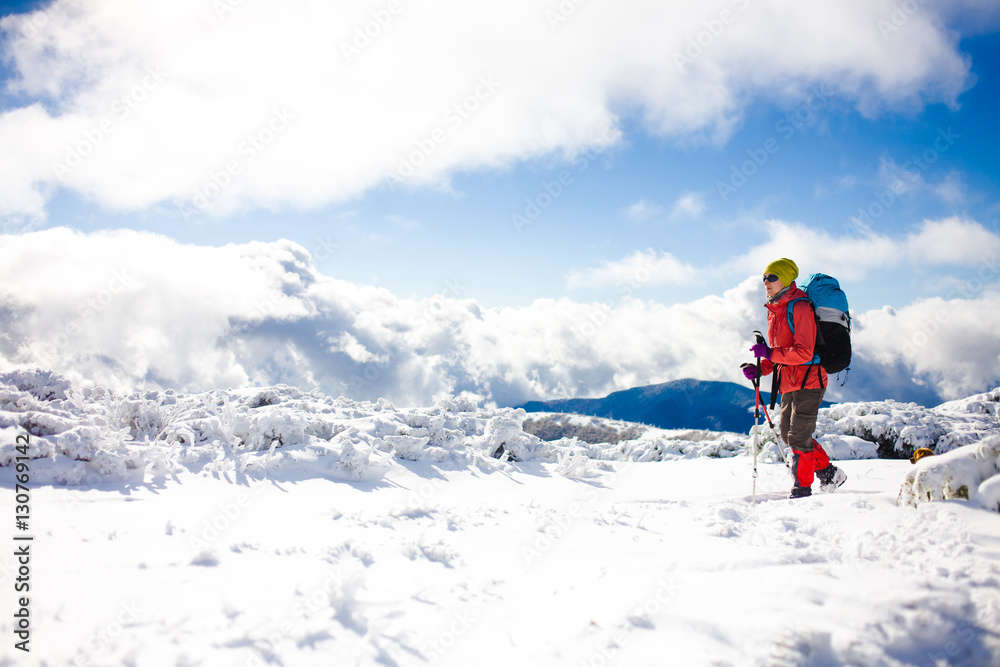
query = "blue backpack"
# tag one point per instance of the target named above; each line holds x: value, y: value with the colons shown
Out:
x: 833, y: 321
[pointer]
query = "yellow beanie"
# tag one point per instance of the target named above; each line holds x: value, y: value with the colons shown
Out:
x: 785, y: 269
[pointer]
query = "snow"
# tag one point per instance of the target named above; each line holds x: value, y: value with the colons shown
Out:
x: 279, y: 527
x: 960, y: 473
x: 900, y: 428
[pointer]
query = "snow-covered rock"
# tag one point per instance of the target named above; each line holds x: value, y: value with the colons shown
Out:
x: 968, y: 473
x: 900, y: 428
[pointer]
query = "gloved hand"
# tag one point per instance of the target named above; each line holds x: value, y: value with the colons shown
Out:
x: 761, y: 350
x: 749, y: 371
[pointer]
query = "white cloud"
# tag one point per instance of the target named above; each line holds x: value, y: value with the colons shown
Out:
x: 689, y: 205
x: 896, y: 180
x: 950, y: 242
x: 899, y: 179
x: 641, y: 268
x: 643, y: 210
x: 952, y: 189
x: 132, y: 310
x: 857, y: 252
x: 291, y: 105
x: 950, y: 344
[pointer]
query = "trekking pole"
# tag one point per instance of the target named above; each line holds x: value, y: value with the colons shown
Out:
x: 781, y: 451
x: 756, y: 422
x: 756, y: 442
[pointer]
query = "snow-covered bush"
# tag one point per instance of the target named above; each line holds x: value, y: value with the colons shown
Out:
x: 504, y: 438
x: 43, y: 385
x: 89, y: 434
x: 970, y: 473
x: 93, y: 434
x: 898, y: 429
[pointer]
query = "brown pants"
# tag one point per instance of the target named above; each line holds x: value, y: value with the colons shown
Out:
x: 799, y: 410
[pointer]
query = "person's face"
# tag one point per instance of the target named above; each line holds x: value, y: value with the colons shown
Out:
x: 772, y: 286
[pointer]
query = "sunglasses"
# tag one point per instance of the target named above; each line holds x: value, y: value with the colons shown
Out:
x: 770, y: 278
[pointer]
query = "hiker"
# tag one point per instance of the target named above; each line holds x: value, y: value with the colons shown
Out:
x: 801, y: 380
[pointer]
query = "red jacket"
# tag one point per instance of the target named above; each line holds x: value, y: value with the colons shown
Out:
x: 793, y: 352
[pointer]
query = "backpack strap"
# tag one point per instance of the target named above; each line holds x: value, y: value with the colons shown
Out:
x: 789, y: 310
x: 775, y: 385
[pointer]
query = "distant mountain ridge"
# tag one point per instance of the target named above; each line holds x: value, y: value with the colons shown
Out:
x: 694, y: 404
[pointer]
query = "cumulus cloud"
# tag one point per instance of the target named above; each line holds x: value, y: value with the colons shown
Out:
x: 949, y: 344
x: 689, y: 205
x: 641, y: 268
x: 643, y: 210
x: 858, y: 250
x: 219, y: 107
x: 138, y: 310
x: 133, y: 310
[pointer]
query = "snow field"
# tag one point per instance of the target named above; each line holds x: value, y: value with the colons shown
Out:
x: 272, y: 526
x: 643, y: 563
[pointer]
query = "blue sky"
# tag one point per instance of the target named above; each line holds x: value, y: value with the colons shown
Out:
x: 843, y: 114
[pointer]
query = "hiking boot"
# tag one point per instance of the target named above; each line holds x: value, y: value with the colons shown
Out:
x: 801, y: 492
x: 830, y: 478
